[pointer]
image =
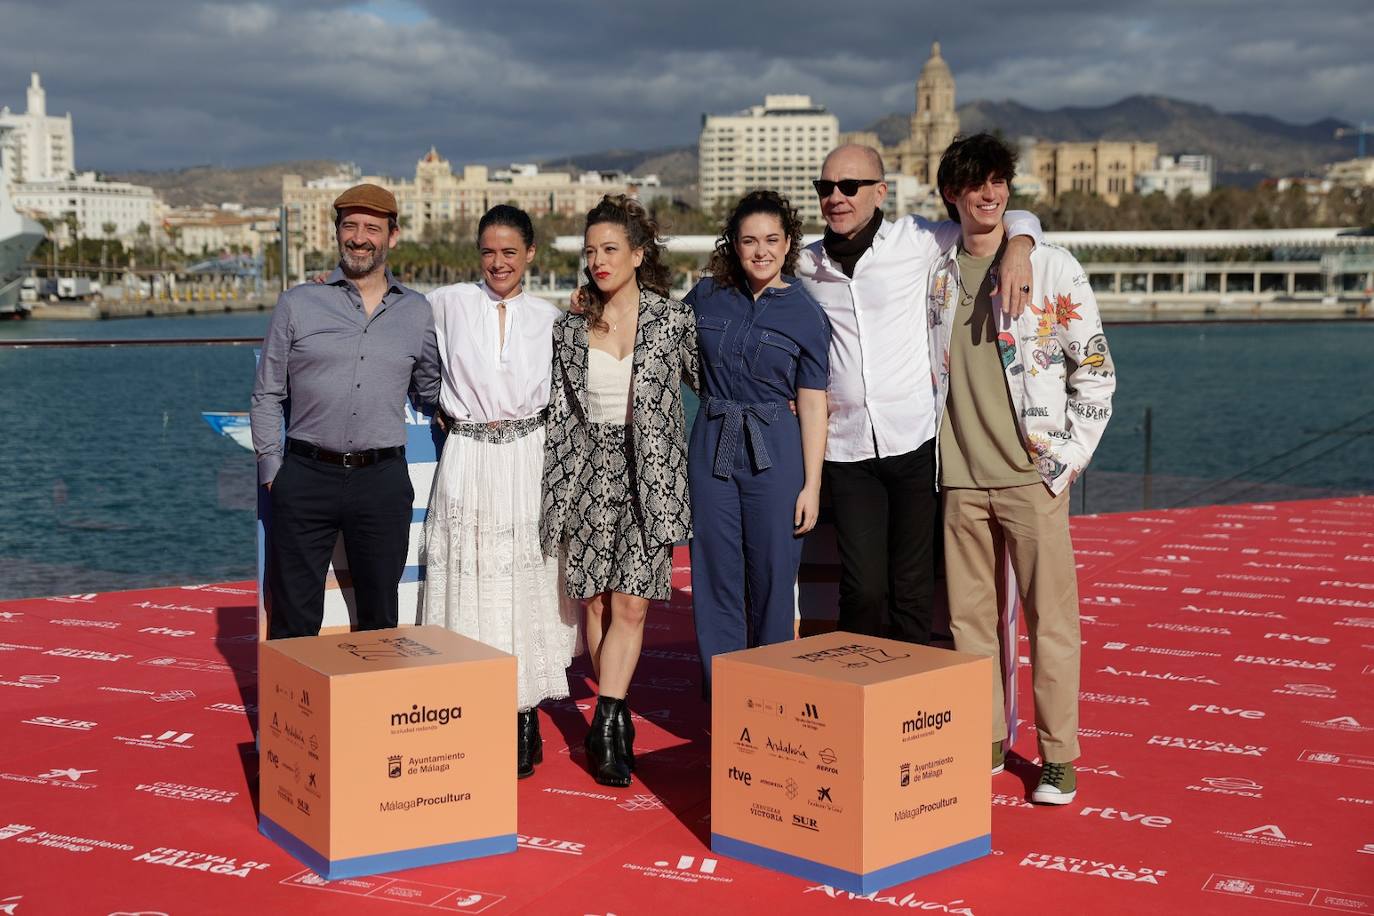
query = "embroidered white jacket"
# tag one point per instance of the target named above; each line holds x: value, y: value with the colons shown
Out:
x: 1058, y: 369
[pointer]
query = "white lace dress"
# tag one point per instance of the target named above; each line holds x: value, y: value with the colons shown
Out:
x: 486, y: 577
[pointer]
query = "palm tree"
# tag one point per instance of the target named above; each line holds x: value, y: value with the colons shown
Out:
x: 109, y: 230
x: 74, y: 228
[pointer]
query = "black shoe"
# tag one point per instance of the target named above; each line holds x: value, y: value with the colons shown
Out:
x: 529, y: 746
x: 603, y: 759
x: 625, y: 734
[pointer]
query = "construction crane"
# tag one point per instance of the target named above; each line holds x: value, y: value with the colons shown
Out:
x: 1362, y: 131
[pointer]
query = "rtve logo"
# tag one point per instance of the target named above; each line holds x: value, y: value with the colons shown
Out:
x: 1216, y: 710
x: 1145, y: 820
x: 739, y: 775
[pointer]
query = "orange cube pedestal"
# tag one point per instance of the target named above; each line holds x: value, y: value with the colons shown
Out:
x: 849, y: 760
x: 386, y: 749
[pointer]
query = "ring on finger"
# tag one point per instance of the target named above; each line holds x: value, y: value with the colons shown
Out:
x: 1025, y: 289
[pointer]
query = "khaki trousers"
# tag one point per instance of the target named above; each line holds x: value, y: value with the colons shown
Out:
x: 1032, y: 526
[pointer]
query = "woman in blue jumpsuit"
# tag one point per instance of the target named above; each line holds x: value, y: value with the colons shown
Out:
x: 754, y: 466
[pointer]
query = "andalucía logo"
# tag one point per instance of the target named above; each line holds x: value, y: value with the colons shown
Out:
x: 426, y: 717
x: 745, y: 742
x: 1264, y: 835
x: 1340, y: 724
x: 786, y: 749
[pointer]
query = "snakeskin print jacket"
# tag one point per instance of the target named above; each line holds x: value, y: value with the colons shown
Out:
x: 665, y: 356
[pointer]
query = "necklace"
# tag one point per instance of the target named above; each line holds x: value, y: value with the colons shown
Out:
x: 966, y: 295
x: 615, y: 325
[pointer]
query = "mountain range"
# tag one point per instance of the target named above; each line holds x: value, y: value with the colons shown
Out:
x: 1247, y: 147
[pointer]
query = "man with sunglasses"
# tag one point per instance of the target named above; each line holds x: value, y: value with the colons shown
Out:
x: 870, y: 275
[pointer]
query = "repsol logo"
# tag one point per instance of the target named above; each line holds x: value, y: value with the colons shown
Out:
x: 423, y: 715
x: 924, y: 721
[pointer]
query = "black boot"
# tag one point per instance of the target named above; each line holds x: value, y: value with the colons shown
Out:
x: 529, y: 746
x: 603, y: 758
x: 625, y: 734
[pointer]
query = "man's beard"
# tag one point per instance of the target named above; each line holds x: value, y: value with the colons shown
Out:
x: 360, y: 262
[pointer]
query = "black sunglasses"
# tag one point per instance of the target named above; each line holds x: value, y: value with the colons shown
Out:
x: 848, y: 186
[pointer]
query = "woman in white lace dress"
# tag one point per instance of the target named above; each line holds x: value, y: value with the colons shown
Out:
x: 486, y: 577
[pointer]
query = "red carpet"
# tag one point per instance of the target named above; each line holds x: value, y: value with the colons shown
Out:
x: 1228, y: 736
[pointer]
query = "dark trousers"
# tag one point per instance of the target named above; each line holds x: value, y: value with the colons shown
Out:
x: 744, y: 551
x: 885, y: 519
x: 312, y: 503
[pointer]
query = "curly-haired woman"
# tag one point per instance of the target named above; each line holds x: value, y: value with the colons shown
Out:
x: 615, y: 463
x: 754, y: 466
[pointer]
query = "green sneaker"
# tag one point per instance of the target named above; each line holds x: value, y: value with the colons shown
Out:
x: 999, y: 758
x: 1058, y: 785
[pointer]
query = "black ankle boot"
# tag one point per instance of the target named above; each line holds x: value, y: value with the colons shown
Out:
x: 529, y: 746
x: 603, y: 758
x: 625, y: 734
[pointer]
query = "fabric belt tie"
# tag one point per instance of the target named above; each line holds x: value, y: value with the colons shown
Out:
x: 740, y: 417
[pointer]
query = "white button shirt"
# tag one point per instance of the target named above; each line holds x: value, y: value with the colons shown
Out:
x: 482, y: 379
x: 881, y: 394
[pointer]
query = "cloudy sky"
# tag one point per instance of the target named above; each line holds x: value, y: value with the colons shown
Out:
x: 156, y: 84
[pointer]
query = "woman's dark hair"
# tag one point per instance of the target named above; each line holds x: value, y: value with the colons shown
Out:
x: 512, y: 217
x: 725, y: 267
x: 970, y: 161
x: 642, y: 232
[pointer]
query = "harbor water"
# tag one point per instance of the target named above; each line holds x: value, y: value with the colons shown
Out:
x: 110, y: 478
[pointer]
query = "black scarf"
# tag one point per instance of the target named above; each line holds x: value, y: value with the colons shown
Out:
x: 845, y: 251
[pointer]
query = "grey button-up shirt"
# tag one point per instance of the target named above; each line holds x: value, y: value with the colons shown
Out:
x: 339, y: 378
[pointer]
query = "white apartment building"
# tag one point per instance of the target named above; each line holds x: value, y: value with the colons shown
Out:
x: 37, y: 145
x: 778, y: 145
x: 1352, y: 173
x: 1172, y: 175
x: 94, y: 203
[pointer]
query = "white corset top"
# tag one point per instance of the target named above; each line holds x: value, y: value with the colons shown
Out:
x: 608, y: 386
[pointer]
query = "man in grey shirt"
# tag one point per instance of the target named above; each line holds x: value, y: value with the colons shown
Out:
x: 337, y: 364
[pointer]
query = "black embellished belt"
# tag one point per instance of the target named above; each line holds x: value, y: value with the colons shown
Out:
x: 498, y: 431
x: 344, y: 459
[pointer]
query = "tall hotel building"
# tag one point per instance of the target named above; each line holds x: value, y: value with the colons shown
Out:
x: 778, y: 145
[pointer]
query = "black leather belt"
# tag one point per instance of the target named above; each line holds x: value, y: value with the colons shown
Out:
x: 344, y: 459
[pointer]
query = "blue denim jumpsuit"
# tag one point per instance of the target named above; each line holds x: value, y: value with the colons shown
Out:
x: 745, y: 460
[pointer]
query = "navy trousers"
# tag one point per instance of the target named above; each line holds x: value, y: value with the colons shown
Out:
x: 744, y: 553
x: 312, y: 503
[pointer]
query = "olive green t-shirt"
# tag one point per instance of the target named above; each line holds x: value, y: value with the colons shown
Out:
x: 980, y: 444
